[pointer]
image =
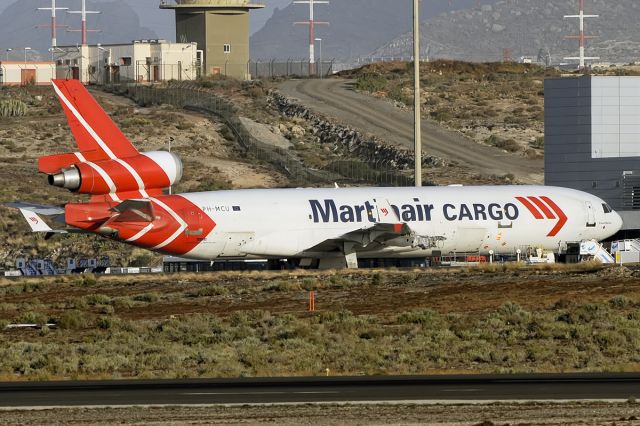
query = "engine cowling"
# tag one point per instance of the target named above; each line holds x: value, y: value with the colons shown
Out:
x: 150, y: 170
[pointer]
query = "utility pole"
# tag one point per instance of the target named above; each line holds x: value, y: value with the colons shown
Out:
x: 54, y: 24
x: 319, y: 40
x: 416, y: 94
x: 312, y: 30
x: 581, y: 37
x: 83, y: 29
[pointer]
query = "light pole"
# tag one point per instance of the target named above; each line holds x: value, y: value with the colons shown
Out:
x: 319, y: 40
x: 25, y: 54
x: 8, y: 50
x: 101, y: 62
x: 416, y: 94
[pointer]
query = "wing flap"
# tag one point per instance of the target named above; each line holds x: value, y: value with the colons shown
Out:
x: 377, y: 233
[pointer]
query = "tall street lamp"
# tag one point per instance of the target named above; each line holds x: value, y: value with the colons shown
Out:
x: 416, y: 94
x: 101, y: 62
x: 25, y: 54
x: 319, y: 40
x: 8, y: 50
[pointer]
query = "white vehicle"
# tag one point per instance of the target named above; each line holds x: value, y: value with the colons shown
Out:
x: 335, y: 225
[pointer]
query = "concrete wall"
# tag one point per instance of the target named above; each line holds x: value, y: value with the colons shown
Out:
x: 12, y: 72
x: 142, y: 62
x: 212, y: 25
x: 592, y: 137
x: 230, y: 28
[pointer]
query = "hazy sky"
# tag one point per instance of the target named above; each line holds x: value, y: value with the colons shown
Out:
x: 161, y: 21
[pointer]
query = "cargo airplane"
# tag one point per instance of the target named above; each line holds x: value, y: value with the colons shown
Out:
x: 331, y: 227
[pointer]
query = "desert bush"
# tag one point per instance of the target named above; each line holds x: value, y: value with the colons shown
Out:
x: 282, y: 285
x: 371, y: 83
x: 620, y: 302
x: 441, y: 114
x: 509, y: 145
x: 31, y: 317
x: 98, y: 299
x: 538, y: 143
x: 12, y: 108
x: 146, y: 297
x: 72, y: 320
x: 212, y: 290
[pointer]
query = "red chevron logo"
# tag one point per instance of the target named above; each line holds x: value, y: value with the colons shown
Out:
x: 542, y: 208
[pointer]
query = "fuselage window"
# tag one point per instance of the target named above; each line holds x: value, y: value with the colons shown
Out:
x: 606, y: 208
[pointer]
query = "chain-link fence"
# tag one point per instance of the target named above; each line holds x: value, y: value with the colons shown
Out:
x: 272, y: 68
x: 191, y: 96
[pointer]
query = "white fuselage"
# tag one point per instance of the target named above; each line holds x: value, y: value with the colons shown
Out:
x: 273, y: 223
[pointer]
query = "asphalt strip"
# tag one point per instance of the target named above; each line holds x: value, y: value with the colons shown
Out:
x: 323, y: 403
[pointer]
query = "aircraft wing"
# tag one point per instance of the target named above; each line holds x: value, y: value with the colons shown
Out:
x: 377, y: 233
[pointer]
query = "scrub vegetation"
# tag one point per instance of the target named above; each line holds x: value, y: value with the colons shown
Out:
x: 367, y: 322
x: 493, y: 103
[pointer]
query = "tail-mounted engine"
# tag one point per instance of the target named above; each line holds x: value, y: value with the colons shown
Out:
x: 145, y: 171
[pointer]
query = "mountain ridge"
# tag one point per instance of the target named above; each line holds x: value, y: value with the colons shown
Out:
x: 527, y: 28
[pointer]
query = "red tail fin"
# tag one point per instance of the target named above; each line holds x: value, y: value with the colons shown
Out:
x: 95, y: 133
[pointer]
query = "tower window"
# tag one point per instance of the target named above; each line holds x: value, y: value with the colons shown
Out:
x: 227, y: 48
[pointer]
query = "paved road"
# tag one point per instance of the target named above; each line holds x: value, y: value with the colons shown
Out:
x: 335, y: 97
x: 330, y: 389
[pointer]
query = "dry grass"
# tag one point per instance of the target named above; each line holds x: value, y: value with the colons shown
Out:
x: 255, y: 324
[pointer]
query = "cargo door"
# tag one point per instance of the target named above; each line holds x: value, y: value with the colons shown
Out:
x: 234, y: 242
x: 469, y: 239
x: 193, y: 219
x: 591, y: 216
x: 27, y: 76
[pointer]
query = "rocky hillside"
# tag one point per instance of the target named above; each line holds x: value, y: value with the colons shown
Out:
x: 527, y: 28
x: 356, y: 27
x: 495, y: 104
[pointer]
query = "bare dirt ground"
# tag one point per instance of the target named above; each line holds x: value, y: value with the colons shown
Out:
x: 575, y: 413
x: 446, y: 291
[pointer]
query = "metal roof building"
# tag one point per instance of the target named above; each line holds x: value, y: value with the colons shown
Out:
x: 592, y: 139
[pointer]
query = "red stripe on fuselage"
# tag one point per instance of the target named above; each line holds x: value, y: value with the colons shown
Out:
x: 534, y: 211
x: 542, y: 206
x: 562, y: 218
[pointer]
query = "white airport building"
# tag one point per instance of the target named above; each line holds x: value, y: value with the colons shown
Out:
x: 141, y: 61
x: 22, y: 73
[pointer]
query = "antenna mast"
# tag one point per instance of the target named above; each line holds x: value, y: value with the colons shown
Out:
x: 83, y: 29
x: 581, y: 37
x: 312, y: 30
x: 54, y: 25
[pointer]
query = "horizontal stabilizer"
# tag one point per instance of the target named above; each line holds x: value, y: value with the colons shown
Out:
x: 37, y: 208
x: 36, y: 223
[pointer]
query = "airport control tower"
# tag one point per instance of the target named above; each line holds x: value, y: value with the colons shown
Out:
x: 221, y: 30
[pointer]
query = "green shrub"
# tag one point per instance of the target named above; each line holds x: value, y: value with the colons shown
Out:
x: 371, y: 83
x: 12, y: 108
x: 72, y: 320
x: 212, y: 290
x: 146, y: 297
x: 538, y: 143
